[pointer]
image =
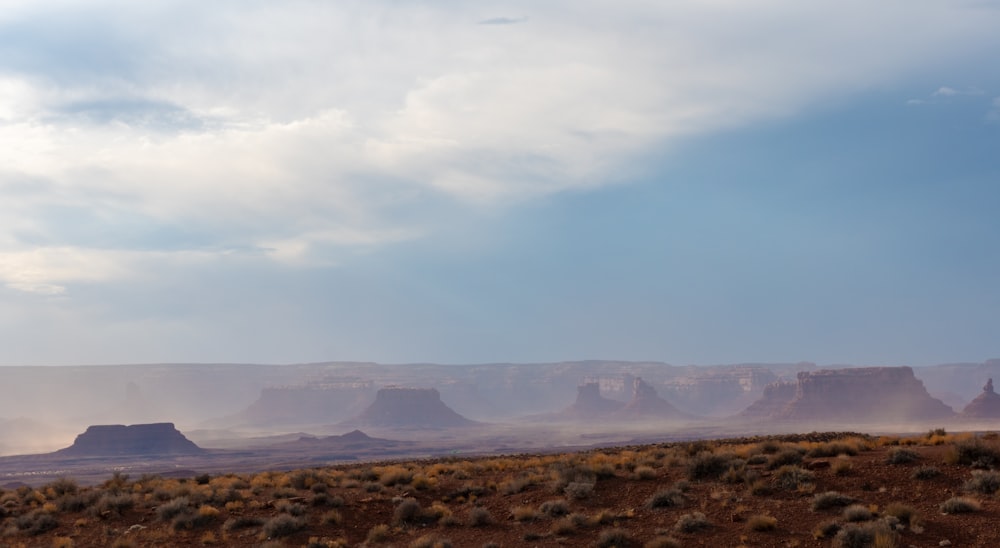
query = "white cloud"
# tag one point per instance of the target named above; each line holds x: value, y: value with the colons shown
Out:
x: 294, y: 129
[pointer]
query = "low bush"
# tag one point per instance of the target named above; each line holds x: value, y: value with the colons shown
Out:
x: 242, y: 522
x: 554, y: 508
x: 617, y: 538
x: 906, y: 514
x: 35, y: 523
x: 785, y: 457
x: 983, y: 482
x: 792, y: 477
x: 762, y: 522
x: 959, y: 505
x: 831, y: 499
x: 708, y: 466
x: 663, y: 542
x: 866, y: 535
x: 925, y: 473
x: 480, y: 517
x: 857, y: 512
x: 666, y: 498
x: 690, y: 523
x: 577, y: 490
x: 283, y: 525
x: 974, y: 452
x: 900, y: 455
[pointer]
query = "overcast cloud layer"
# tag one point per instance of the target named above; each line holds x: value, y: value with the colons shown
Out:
x: 157, y: 157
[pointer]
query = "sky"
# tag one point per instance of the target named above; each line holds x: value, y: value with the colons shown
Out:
x: 694, y: 182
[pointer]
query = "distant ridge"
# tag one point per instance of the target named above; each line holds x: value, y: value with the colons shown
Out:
x: 409, y: 407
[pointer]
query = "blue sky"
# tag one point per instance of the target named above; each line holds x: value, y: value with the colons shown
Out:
x: 698, y: 182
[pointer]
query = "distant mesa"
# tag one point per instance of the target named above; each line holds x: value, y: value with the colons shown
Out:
x: 156, y: 439
x: 590, y: 404
x: 646, y: 403
x: 985, y: 406
x: 322, y: 402
x: 772, y: 402
x: 410, y: 408
x: 863, y: 394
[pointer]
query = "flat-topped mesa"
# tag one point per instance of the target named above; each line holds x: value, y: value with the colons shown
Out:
x: 591, y: 404
x: 985, y: 406
x: 410, y: 407
x: 138, y: 439
x: 864, y: 394
x: 646, y: 402
x: 775, y: 398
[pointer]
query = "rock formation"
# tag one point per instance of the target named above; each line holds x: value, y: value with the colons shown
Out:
x: 985, y: 406
x: 646, y: 403
x: 775, y: 398
x: 409, y: 407
x: 307, y: 404
x: 864, y: 394
x: 590, y: 404
x: 138, y: 439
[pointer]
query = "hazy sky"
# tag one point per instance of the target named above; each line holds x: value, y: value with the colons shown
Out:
x: 703, y: 181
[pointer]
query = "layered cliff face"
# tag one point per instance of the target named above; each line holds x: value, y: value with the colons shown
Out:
x: 409, y: 407
x: 775, y: 398
x: 308, y: 404
x: 138, y: 439
x: 985, y: 406
x: 867, y: 394
x: 646, y: 403
x: 718, y: 392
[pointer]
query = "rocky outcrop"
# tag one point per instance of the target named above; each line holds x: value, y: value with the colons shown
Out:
x: 719, y: 391
x: 409, y: 407
x: 646, y: 403
x: 138, y: 439
x: 775, y: 398
x: 864, y: 394
x: 590, y: 404
x: 985, y: 406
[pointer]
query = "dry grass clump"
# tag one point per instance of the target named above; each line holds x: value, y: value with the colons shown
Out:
x: 480, y: 517
x: 786, y: 457
x: 663, y: 542
x: 865, y: 535
x: 283, y: 525
x: 554, y: 508
x: 378, y: 533
x: 960, y: 505
x: 690, y: 523
x: 762, y: 522
x: 617, y: 538
x: 431, y: 541
x: 524, y: 513
x: 793, y: 477
x: 925, y: 473
x: 708, y: 466
x: 857, y: 512
x: 831, y: 499
x: 906, y: 514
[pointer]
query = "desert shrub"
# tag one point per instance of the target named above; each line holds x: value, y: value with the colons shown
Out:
x: 662, y: 542
x: 72, y: 503
x: 690, y: 523
x: 866, y: 535
x: 827, y: 529
x: 283, y: 525
x: 974, y: 452
x: 110, y: 503
x: 408, y: 510
x: 554, y: 508
x: 925, y: 473
x: 768, y: 447
x: 666, y: 498
x: 286, y: 493
x: 959, y: 505
x: 609, y: 538
x: 524, y: 513
x: 760, y: 488
x: 242, y: 522
x: 842, y: 466
x: 564, y: 526
x: 906, y: 514
x: 170, y: 510
x: 757, y: 459
x: 831, y: 499
x: 289, y: 507
x: 565, y: 474
x: 373, y: 487
x: 395, y: 475
x: 983, y: 482
x: 792, y: 477
x: 35, y: 523
x: 62, y: 486
x: 644, y: 473
x: 515, y: 485
x: 900, y: 455
x: 762, y: 522
x: 480, y: 517
x: 331, y: 517
x: 785, y: 457
x: 431, y: 541
x: 857, y: 512
x: 708, y: 466
x: 577, y: 490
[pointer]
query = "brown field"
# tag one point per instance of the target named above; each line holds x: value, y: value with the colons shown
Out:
x: 847, y: 490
